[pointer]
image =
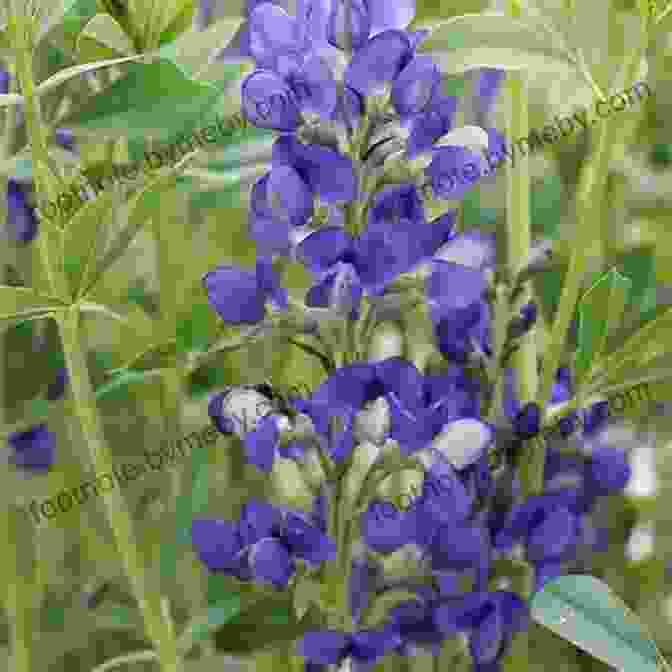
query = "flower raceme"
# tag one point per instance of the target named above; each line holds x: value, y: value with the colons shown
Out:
x: 354, y: 193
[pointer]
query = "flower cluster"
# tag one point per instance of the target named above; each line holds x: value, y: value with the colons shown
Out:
x: 365, y: 149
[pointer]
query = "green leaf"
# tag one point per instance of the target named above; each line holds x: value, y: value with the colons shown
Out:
x: 244, y: 634
x: 82, y: 237
x: 493, y: 40
x: 642, y: 346
x: 102, y: 38
x: 141, y: 207
x: 114, y: 387
x: 179, y: 24
x: 584, y: 611
x: 23, y: 302
x: 165, y: 98
x: 306, y: 593
x: 191, y: 51
x: 156, y: 100
x: 601, y: 310
x: 203, y: 625
x: 639, y: 266
x: 158, y: 356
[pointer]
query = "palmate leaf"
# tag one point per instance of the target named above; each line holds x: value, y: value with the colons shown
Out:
x: 491, y: 39
x: 584, y: 611
x: 601, y: 310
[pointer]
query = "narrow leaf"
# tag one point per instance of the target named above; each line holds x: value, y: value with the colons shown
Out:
x: 601, y: 311
x: 160, y: 356
x: 64, y: 75
x: 492, y: 39
x: 103, y: 37
x: 584, y: 611
x: 141, y: 207
x: 25, y: 302
x: 82, y: 238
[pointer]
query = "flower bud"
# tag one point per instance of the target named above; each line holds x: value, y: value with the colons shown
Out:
x: 373, y: 423
x: 387, y: 340
x: 349, y: 30
x: 238, y: 409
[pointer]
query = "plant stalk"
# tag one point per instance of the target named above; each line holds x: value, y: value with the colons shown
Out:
x: 149, y: 599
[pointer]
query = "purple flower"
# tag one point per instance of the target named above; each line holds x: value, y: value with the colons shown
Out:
x: 331, y: 647
x: 378, y: 62
x: 415, y: 86
x: 21, y: 217
x: 33, y: 448
x: 262, y: 545
x: 492, y: 618
x: 545, y: 525
x: 240, y: 296
x: 252, y: 417
x: 355, y: 28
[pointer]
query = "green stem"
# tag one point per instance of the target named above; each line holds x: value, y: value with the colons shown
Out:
x: 19, y: 596
x: 590, y: 190
x: 20, y: 29
x: 158, y: 628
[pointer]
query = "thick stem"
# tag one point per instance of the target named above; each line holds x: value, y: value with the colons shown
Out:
x: 158, y: 628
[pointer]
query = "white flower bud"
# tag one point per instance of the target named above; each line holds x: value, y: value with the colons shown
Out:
x: 387, y: 340
x: 373, y: 423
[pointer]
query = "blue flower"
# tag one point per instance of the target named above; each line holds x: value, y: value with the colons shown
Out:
x: 491, y: 618
x: 34, y: 448
x: 240, y: 296
x: 21, y: 217
x: 263, y: 545
x: 331, y: 647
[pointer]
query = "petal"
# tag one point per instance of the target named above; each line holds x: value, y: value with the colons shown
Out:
x: 430, y: 124
x: 342, y: 445
x: 378, y: 62
x: 315, y: 87
x: 369, y: 645
x: 261, y: 443
x: 609, y: 469
x: 258, y: 520
x: 487, y: 87
x: 475, y: 249
x: 416, y: 85
x: 439, y: 232
x: 216, y: 541
x: 269, y: 283
x: 326, y: 647
x: 33, y: 448
x: 319, y: 296
x: 271, y: 562
x: 235, y: 295
x: 388, y: 531
x: 401, y: 377
x: 407, y: 427
x: 487, y: 640
x: 445, y: 498
x: 270, y: 235
x: 553, y: 536
x: 448, y: 172
x: 289, y: 197
x: 328, y: 173
x: 306, y: 541
x: 452, y: 286
x: 458, y: 546
x: 322, y: 249
x: 387, y: 15
x: 356, y: 26
x: 462, y: 442
x: 395, y: 203
x: 21, y: 218
x: 272, y: 32
x: 269, y: 102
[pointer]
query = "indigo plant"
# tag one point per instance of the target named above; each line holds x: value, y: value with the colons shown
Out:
x: 406, y: 508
